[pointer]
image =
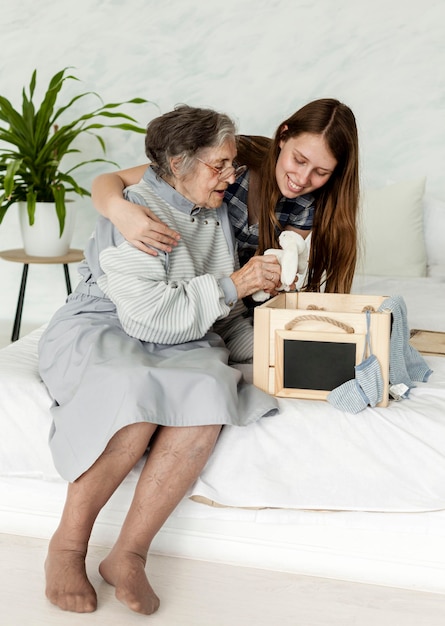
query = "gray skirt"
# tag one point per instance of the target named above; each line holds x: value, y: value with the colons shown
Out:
x: 101, y: 380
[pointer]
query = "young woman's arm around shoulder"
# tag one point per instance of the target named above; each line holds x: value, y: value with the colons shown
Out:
x: 137, y: 223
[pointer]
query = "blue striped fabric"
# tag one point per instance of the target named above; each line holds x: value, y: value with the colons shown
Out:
x: 297, y: 212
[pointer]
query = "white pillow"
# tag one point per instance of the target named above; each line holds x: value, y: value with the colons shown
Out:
x: 434, y: 216
x: 392, y: 231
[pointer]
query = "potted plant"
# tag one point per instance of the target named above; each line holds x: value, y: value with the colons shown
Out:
x: 34, y: 141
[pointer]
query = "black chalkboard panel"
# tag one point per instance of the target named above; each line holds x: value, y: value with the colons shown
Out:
x: 320, y: 365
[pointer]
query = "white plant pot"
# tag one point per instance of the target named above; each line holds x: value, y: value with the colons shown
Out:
x: 42, y: 238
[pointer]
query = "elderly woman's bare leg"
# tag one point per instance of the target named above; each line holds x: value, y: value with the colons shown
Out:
x: 174, y: 463
x: 67, y: 584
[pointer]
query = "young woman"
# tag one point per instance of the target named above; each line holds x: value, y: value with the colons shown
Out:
x: 142, y: 347
x: 305, y: 178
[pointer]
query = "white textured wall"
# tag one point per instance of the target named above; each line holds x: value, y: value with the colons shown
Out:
x: 258, y: 60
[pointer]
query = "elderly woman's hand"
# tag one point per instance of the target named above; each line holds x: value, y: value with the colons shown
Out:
x: 260, y: 272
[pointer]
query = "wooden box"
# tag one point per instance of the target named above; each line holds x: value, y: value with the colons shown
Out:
x: 306, y: 344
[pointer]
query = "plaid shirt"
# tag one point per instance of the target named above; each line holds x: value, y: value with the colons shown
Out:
x: 297, y: 212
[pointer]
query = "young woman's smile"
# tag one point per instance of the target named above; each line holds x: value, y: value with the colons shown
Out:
x: 304, y: 164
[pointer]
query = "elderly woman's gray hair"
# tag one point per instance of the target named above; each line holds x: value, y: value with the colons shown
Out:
x: 183, y: 133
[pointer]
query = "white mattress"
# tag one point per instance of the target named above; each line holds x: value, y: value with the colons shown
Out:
x: 424, y: 297
x: 310, y: 456
x: 360, y: 497
x: 313, y: 456
x: 396, y: 549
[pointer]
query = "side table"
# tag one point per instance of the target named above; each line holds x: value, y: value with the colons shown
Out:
x: 20, y: 256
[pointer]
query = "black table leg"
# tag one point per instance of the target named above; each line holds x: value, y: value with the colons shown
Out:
x: 18, y: 314
x: 67, y: 278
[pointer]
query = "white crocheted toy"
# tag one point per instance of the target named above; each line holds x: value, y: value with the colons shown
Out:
x: 293, y: 258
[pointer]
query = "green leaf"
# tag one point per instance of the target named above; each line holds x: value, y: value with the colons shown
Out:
x: 59, y: 199
x: 32, y: 84
x: 91, y: 161
x: 11, y: 170
x: 35, y: 140
x: 4, y: 206
x: 31, y: 198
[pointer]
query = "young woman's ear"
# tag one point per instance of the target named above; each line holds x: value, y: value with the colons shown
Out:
x: 283, y: 135
x: 283, y: 130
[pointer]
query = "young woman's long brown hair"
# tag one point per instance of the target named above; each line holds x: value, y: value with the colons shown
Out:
x: 334, y: 240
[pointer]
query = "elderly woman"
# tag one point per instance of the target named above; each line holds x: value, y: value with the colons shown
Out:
x: 142, y: 347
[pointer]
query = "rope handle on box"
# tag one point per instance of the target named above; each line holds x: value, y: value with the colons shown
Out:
x: 322, y: 318
x: 319, y: 318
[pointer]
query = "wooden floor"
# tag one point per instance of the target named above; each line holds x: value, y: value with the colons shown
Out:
x: 196, y: 593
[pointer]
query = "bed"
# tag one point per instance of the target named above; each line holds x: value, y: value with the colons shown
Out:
x: 313, y: 490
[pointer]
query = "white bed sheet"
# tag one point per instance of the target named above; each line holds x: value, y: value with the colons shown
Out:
x: 424, y: 297
x: 393, y: 548
x: 310, y: 456
x: 313, y: 456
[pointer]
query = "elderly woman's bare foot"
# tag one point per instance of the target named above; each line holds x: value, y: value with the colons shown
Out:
x: 126, y: 572
x: 67, y: 585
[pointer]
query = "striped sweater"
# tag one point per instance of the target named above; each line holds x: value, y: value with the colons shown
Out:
x: 173, y: 297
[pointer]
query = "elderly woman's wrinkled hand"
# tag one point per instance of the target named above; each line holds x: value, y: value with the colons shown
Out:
x: 260, y: 272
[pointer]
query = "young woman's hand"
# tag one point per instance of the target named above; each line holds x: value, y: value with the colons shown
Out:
x: 144, y: 230
x: 137, y: 223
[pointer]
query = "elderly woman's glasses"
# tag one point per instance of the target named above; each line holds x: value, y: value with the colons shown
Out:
x: 225, y: 172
